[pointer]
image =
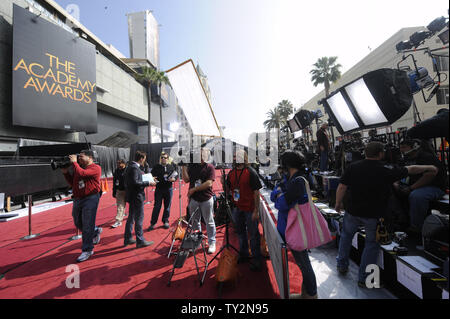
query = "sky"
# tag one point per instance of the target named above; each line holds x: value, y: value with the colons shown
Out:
x: 257, y: 53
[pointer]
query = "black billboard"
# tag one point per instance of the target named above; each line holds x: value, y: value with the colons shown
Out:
x: 54, y: 76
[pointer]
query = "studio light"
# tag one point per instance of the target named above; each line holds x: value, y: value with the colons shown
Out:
x: 364, y: 103
x: 342, y: 112
x: 419, y: 79
x: 444, y: 37
x: 404, y: 45
x: 437, y: 24
x: 304, y: 118
x: 293, y: 125
x: 419, y: 37
x: 376, y: 99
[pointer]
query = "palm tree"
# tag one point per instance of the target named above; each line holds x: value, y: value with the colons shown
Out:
x: 160, y: 78
x: 278, y: 116
x: 146, y: 76
x: 325, y: 71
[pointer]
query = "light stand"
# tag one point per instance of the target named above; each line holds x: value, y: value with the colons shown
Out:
x: 228, y: 217
x: 180, y: 219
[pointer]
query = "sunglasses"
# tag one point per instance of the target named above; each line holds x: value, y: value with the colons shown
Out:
x: 164, y: 157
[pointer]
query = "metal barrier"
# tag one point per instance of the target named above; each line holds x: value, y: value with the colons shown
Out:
x: 277, y: 249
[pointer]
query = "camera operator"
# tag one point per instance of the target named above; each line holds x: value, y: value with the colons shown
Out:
x: 323, y: 142
x: 166, y: 173
x: 135, y: 196
x: 368, y: 185
x: 85, y: 183
x: 200, y: 177
x: 422, y: 188
x: 243, y: 183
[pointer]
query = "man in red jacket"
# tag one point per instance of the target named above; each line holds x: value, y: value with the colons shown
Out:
x: 85, y: 182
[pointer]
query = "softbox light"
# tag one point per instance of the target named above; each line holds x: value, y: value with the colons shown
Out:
x: 293, y: 125
x: 304, y: 118
x: 192, y: 99
x: 376, y: 99
x: 342, y: 113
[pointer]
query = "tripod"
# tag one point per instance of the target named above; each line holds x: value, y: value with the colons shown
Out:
x: 228, y: 217
x: 191, y: 241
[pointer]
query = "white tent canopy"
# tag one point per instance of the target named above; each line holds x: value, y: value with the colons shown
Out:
x: 192, y: 99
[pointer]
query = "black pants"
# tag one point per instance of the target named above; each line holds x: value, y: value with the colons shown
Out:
x: 160, y: 196
x: 136, y: 217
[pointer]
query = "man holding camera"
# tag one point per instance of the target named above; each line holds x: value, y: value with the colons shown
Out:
x: 85, y: 183
x: 201, y: 177
x: 135, y: 196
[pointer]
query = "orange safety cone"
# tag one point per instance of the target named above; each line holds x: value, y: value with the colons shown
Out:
x: 106, y: 185
x: 102, y: 186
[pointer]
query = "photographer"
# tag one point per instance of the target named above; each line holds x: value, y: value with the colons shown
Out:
x: 243, y: 183
x: 165, y: 173
x: 368, y: 185
x: 85, y: 183
x: 423, y: 188
x: 200, y: 178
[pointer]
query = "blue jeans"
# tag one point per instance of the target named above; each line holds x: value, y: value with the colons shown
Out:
x: 309, y: 278
x: 244, y: 223
x: 371, y: 247
x: 160, y: 195
x: 419, y: 203
x: 84, y: 212
x: 323, y: 161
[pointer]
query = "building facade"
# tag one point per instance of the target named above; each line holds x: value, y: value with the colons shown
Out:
x: 122, y: 103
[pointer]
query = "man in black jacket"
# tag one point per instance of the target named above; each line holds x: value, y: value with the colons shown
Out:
x: 135, y: 196
x: 119, y: 192
x: 166, y: 174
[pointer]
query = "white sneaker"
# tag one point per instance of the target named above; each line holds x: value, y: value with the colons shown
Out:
x: 212, y: 248
x: 116, y: 224
x: 85, y: 256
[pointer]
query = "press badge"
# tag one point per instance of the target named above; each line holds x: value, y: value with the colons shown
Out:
x: 198, y: 183
x: 81, y: 184
x: 236, y: 194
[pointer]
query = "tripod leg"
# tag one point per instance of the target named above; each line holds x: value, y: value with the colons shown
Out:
x: 170, y: 250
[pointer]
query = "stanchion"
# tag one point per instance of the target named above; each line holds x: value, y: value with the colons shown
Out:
x: 30, y: 234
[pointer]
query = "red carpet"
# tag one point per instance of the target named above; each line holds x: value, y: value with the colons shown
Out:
x: 37, y: 268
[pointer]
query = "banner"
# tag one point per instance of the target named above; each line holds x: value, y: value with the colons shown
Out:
x: 54, y: 76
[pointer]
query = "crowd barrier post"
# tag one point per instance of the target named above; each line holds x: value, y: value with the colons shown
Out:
x: 30, y: 207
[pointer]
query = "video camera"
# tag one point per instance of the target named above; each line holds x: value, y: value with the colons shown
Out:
x: 62, y: 163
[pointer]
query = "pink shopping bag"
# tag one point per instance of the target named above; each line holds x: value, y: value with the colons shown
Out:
x: 306, y: 227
